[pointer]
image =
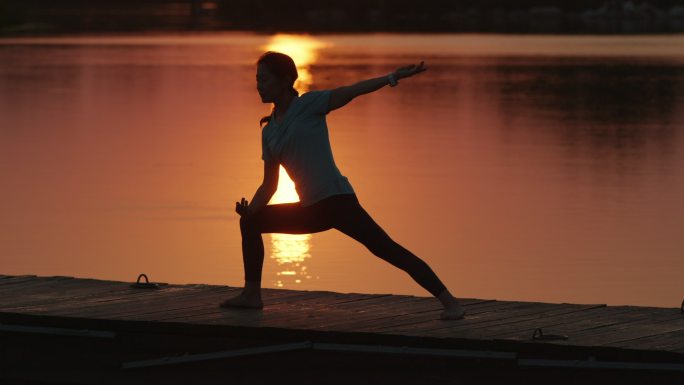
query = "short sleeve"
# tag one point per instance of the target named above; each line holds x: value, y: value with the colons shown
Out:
x: 320, y: 101
x: 265, y: 151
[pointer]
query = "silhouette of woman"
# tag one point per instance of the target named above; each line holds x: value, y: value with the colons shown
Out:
x: 296, y: 136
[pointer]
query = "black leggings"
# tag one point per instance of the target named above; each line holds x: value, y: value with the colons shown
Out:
x: 342, y: 212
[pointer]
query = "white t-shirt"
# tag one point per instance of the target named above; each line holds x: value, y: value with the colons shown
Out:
x: 300, y: 143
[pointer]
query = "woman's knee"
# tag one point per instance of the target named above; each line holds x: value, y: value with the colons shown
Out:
x: 249, y: 224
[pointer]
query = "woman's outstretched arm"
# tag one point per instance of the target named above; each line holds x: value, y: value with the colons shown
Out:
x: 342, y: 95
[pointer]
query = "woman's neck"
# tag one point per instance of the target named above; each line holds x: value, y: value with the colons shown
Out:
x: 282, y: 103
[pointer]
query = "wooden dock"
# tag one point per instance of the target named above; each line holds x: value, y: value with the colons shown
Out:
x: 191, y: 328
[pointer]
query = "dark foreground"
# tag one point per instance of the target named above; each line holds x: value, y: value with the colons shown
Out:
x: 35, y: 359
x: 64, y: 330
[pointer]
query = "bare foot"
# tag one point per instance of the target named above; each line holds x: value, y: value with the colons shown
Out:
x: 243, y: 301
x: 454, y: 312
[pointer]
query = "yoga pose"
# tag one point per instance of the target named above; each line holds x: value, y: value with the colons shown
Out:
x: 296, y: 136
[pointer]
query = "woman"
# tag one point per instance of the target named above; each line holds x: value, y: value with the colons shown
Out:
x: 296, y: 136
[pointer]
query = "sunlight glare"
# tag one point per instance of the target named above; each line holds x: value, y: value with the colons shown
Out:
x: 303, y: 50
x: 291, y: 250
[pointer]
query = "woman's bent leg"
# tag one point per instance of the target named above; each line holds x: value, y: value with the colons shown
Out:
x: 289, y: 218
x: 252, y: 250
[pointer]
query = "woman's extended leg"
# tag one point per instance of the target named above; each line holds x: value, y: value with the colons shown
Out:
x: 355, y: 222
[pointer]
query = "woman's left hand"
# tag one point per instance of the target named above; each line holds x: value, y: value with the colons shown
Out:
x: 404, y: 72
x: 242, y: 207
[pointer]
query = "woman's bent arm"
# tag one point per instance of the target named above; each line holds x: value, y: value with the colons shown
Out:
x: 261, y: 197
x: 268, y: 187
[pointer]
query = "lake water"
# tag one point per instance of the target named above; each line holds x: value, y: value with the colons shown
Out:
x: 536, y: 168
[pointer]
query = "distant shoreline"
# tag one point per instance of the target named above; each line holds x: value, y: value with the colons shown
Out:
x: 612, y: 17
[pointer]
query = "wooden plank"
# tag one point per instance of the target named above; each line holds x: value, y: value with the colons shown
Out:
x: 44, y: 291
x: 362, y: 305
x: 622, y: 316
x: 80, y: 292
x: 276, y: 317
x: 226, y: 315
x: 293, y: 310
x: 608, y: 334
x: 634, y: 332
x: 347, y: 309
x: 487, y: 330
x: 29, y: 285
x: 32, y: 290
x: 409, y: 314
x: 408, y: 303
x: 601, y: 319
x: 152, y: 308
x: 437, y: 327
x: 37, y: 286
x: 475, y: 314
x: 626, y: 331
x: 151, y: 298
x: 109, y: 305
x: 328, y: 298
x: 297, y: 300
x: 291, y: 296
x: 678, y: 346
x: 597, y: 319
x: 376, y: 314
x: 7, y: 282
x: 525, y: 321
x: 212, y: 307
x: 172, y: 313
x: 271, y: 295
x: 65, y: 291
x: 333, y: 307
x: 72, y: 307
x: 557, y: 323
x: 324, y: 297
x: 663, y: 341
x: 321, y: 318
x: 78, y: 287
x: 18, y: 276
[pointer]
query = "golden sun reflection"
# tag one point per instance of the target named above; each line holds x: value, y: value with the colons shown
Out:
x: 303, y: 49
x: 291, y: 250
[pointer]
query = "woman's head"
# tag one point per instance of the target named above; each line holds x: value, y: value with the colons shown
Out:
x: 276, y: 74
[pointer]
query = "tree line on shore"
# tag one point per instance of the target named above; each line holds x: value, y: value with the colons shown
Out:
x: 515, y: 16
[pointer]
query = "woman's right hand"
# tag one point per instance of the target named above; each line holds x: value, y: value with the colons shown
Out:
x: 410, y: 70
x: 242, y: 207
